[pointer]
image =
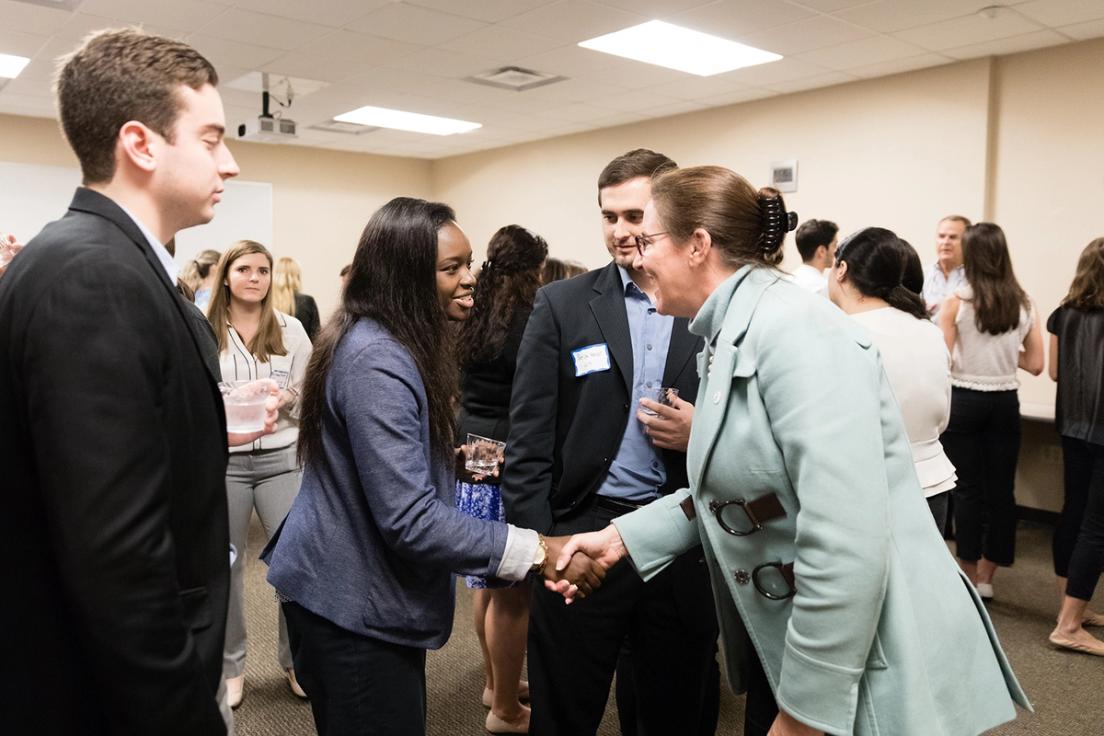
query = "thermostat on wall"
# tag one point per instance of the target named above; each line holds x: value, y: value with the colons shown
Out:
x: 784, y: 176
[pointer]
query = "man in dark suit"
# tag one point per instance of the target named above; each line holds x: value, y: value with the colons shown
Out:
x: 581, y: 452
x: 113, y: 438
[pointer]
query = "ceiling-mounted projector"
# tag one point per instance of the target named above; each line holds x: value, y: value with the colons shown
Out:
x: 267, y: 129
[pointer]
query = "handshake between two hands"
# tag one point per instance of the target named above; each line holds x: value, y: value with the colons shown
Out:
x: 575, y: 566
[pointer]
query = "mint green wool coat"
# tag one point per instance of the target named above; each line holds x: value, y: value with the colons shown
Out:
x: 884, y: 634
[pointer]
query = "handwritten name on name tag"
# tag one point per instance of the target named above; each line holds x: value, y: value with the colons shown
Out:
x: 591, y: 359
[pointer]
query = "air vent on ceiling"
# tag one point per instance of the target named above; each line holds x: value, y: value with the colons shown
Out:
x: 336, y: 126
x: 515, y: 78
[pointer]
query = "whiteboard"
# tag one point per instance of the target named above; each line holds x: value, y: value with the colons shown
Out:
x: 34, y: 195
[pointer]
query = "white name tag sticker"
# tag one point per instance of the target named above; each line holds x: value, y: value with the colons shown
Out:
x: 591, y: 359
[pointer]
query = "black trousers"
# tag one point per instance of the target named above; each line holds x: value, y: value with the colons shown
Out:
x: 1079, y: 537
x: 982, y: 439
x: 356, y: 684
x: 671, y: 627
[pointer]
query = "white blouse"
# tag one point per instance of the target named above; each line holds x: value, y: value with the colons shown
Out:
x: 984, y: 362
x: 238, y: 364
x: 916, y: 362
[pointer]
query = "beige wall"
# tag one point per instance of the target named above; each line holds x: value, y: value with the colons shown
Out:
x: 898, y: 151
x: 320, y: 199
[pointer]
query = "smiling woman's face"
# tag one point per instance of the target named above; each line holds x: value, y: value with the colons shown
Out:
x: 455, y: 283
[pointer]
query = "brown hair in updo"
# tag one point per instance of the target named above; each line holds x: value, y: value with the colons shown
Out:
x: 747, y: 226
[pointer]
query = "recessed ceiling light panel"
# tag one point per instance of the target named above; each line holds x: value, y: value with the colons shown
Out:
x: 11, y: 66
x: 382, y: 117
x: 682, y: 49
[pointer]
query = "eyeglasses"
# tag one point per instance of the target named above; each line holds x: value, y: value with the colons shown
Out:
x: 645, y: 240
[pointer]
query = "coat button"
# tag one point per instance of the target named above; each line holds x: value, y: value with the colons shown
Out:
x: 743, y: 577
x: 716, y: 397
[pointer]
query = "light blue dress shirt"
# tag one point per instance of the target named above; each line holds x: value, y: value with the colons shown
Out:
x: 937, y: 287
x: 637, y: 471
x: 159, y: 250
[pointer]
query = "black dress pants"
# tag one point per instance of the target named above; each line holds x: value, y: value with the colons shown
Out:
x: 982, y: 440
x: 671, y: 626
x: 1079, y: 536
x: 356, y: 684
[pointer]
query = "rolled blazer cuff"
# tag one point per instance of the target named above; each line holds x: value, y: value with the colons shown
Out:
x: 658, y: 533
x: 822, y: 695
x: 521, y: 551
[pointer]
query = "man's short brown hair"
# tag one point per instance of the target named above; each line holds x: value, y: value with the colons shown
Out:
x: 636, y: 163
x: 120, y: 75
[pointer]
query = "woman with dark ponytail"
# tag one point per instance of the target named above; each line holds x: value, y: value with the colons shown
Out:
x: 837, y: 597
x: 487, y: 347
x: 868, y: 281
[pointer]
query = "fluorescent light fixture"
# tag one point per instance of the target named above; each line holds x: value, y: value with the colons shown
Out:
x: 682, y: 49
x: 11, y: 66
x: 381, y: 117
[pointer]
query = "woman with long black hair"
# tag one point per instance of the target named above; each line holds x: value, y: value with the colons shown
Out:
x: 363, y: 560
x: 487, y: 348
x: 991, y: 328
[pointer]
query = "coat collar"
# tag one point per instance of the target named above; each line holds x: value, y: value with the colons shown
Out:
x: 731, y: 304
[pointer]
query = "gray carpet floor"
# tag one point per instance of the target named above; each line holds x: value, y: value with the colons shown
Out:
x: 1066, y: 689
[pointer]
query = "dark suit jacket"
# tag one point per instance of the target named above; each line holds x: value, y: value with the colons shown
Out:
x: 566, y: 430
x: 306, y: 311
x: 114, y: 525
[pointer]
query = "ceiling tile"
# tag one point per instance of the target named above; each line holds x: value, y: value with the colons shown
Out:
x: 264, y: 30
x: 735, y: 18
x: 1056, y: 13
x: 896, y: 66
x: 413, y: 24
x: 444, y: 63
x: 359, y: 47
x: 695, y: 88
x: 1084, y: 31
x: 896, y: 15
x: 828, y: 6
x: 634, y: 102
x: 222, y: 52
x: 628, y: 74
x: 311, y: 66
x: 567, y: 91
x: 776, y: 71
x: 18, y: 43
x: 32, y: 18
x: 822, y: 80
x: 182, y: 16
x: 1012, y: 45
x: 972, y: 29
x: 863, y: 52
x: 490, y: 11
x: 325, y: 12
x: 569, y: 60
x: 572, y: 21
x: 656, y: 9
x: 574, y: 113
x: 505, y: 45
x: 678, y: 108
x: 806, y: 35
x: 740, y: 95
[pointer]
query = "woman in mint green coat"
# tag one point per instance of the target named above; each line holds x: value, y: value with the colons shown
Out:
x: 826, y: 568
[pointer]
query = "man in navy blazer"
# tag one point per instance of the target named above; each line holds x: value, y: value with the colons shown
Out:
x: 113, y: 438
x: 581, y: 452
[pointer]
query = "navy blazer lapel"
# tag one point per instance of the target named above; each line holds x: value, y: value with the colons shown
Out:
x: 684, y: 345
x: 608, y: 308
x: 92, y: 202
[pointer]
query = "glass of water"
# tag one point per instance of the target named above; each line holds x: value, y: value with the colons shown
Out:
x: 664, y: 396
x: 245, y: 403
x: 483, y: 454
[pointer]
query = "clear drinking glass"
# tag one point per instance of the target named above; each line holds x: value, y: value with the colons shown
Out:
x: 483, y: 454
x: 245, y: 405
x: 664, y: 396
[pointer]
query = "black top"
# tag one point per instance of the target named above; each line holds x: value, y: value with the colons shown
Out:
x: 1079, y: 411
x: 306, y: 311
x: 485, y: 388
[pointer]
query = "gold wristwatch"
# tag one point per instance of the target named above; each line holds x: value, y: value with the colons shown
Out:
x: 541, y: 556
